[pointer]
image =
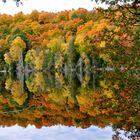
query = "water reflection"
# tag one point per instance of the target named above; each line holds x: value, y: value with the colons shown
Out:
x: 101, y: 98
x: 55, y: 132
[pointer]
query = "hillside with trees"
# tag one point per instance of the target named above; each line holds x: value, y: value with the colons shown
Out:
x: 70, y: 40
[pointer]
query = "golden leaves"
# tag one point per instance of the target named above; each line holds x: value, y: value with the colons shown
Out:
x: 102, y: 25
x: 36, y: 58
x: 8, y: 83
x: 37, y: 84
x: 105, y: 57
x: 15, y: 52
x: 7, y: 58
x: 19, y: 42
x: 108, y: 93
x: 16, y: 90
x: 118, y: 14
x: 102, y: 44
x: 39, y: 60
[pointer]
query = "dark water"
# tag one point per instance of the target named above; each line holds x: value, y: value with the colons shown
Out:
x: 93, y: 105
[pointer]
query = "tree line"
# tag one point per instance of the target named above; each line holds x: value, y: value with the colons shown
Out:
x: 70, y: 40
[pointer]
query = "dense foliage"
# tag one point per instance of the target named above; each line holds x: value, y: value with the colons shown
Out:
x: 69, y: 39
x: 105, y: 43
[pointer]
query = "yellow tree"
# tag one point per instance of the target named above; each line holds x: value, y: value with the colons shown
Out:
x: 16, y: 48
x: 8, y: 58
x: 16, y: 91
x: 59, y: 48
x: 17, y: 94
x: 35, y: 58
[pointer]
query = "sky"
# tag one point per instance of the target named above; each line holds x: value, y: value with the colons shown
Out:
x: 45, y: 5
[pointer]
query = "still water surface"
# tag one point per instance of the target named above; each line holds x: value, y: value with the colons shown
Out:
x: 55, y: 132
x: 49, y: 106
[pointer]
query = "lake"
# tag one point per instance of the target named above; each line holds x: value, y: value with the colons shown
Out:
x: 93, y: 105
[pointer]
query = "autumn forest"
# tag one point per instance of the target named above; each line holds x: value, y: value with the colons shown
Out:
x: 69, y: 39
x: 76, y: 68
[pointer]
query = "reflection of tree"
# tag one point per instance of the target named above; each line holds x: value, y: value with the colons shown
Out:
x: 36, y: 84
x: 73, y: 86
x: 2, y: 79
x: 125, y: 88
x: 55, y: 99
x: 16, y: 91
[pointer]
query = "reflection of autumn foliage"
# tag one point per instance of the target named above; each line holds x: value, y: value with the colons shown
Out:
x: 113, y: 102
x: 37, y: 84
x: 16, y: 91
